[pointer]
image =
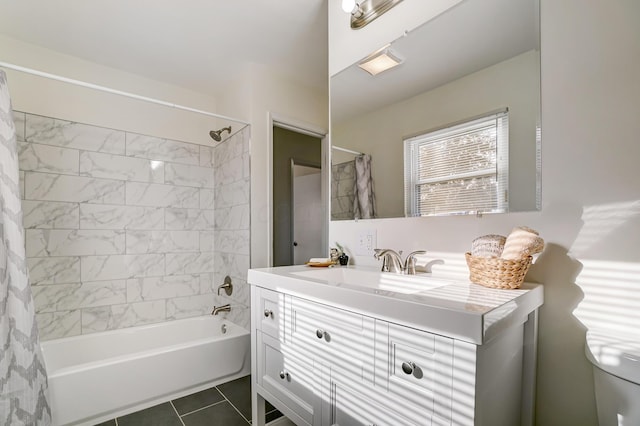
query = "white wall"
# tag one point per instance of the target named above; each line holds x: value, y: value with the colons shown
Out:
x: 51, y: 98
x: 590, y: 215
x: 269, y: 93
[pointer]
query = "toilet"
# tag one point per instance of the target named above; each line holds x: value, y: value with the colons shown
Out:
x: 616, y: 373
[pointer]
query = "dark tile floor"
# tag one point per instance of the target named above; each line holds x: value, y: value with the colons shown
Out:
x: 228, y: 404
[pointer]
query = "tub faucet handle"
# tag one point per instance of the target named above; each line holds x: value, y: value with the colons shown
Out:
x: 227, y: 286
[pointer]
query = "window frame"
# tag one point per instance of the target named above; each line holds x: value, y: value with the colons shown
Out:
x: 437, y: 135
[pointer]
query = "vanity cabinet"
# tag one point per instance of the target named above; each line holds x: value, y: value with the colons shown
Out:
x: 323, y: 365
x: 331, y: 366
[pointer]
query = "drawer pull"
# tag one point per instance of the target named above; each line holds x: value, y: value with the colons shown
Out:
x: 268, y: 313
x: 320, y: 333
x: 284, y: 375
x: 408, y: 367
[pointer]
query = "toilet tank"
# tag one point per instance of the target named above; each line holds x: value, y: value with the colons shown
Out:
x: 616, y: 373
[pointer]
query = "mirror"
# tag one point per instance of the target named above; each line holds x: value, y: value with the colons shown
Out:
x: 478, y: 57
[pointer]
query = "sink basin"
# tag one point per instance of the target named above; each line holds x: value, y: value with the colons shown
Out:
x: 381, y: 281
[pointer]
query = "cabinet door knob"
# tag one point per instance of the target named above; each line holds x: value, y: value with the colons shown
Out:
x: 268, y: 313
x: 284, y: 375
x: 408, y: 367
x: 320, y: 333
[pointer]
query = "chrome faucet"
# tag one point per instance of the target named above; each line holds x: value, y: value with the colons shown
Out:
x: 410, y: 262
x: 223, y: 308
x: 392, y: 261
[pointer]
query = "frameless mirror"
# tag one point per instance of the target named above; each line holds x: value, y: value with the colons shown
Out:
x: 478, y: 57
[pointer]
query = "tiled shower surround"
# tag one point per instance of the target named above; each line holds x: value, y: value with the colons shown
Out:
x: 343, y: 180
x: 124, y: 229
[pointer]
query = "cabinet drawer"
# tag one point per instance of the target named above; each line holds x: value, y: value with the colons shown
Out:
x: 271, y: 312
x: 344, y: 340
x: 350, y: 407
x: 291, y: 379
x: 419, y: 368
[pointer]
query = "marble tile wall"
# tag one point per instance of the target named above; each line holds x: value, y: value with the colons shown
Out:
x: 123, y: 229
x: 231, y: 236
x: 343, y: 179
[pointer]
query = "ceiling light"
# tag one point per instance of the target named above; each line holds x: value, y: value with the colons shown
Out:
x: 380, y: 61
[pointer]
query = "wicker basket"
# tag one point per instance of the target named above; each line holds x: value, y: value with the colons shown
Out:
x: 495, y: 272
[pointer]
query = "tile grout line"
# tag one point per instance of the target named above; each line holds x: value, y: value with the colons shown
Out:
x: 234, y: 407
x: 177, y: 414
x: 201, y: 408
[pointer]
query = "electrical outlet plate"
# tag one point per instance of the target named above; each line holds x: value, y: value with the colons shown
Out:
x: 366, y: 242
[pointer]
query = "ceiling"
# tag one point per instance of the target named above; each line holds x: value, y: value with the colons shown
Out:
x: 196, y: 44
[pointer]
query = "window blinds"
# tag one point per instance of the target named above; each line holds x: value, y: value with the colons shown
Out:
x: 460, y: 169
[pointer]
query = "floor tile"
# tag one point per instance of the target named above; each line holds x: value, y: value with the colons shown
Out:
x: 268, y: 407
x: 197, y: 400
x: 221, y: 414
x: 272, y: 415
x: 159, y: 415
x: 238, y: 392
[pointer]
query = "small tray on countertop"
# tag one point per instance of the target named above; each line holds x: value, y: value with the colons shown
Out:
x: 319, y: 264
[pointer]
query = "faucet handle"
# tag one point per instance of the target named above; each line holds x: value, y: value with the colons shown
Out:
x: 227, y: 286
x: 410, y: 262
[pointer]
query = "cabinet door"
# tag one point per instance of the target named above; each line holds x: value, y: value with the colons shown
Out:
x: 419, y: 369
x: 352, y: 407
x: 290, y: 378
x: 342, y: 339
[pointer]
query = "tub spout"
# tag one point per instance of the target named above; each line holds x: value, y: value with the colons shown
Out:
x: 223, y: 308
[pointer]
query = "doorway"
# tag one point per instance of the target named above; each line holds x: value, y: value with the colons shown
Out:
x: 297, y: 167
x: 306, y: 211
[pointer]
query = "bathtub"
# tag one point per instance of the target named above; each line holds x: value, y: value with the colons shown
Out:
x: 96, y: 377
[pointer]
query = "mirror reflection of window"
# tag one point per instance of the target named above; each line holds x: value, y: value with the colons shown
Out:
x: 459, y: 169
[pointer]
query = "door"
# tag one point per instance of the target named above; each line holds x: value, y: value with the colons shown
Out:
x: 307, y: 213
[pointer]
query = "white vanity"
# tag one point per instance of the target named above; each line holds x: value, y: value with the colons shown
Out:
x: 350, y: 346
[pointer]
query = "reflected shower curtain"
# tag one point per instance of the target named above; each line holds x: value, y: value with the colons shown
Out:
x: 23, y: 379
x: 364, y: 202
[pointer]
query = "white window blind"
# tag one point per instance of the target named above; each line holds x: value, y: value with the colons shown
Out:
x: 461, y: 169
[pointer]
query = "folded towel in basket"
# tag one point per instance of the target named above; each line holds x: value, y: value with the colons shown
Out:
x: 522, y: 242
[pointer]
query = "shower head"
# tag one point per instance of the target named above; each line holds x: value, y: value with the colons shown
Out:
x: 215, y: 134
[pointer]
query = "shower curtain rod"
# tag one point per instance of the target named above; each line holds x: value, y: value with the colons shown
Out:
x: 339, y: 148
x: 115, y: 91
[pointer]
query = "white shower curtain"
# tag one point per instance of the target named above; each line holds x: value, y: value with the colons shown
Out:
x: 364, y: 202
x: 23, y: 379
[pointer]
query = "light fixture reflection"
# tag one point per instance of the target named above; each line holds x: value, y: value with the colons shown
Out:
x: 380, y: 61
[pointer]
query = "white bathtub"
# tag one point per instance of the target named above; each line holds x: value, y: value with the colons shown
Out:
x: 99, y: 376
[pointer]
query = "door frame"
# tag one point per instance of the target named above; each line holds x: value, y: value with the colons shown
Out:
x: 304, y: 128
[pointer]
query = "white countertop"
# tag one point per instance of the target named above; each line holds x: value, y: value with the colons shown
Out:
x: 453, y: 308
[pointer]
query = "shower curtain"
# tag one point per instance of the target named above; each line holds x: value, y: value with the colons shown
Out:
x: 364, y: 202
x: 23, y: 379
